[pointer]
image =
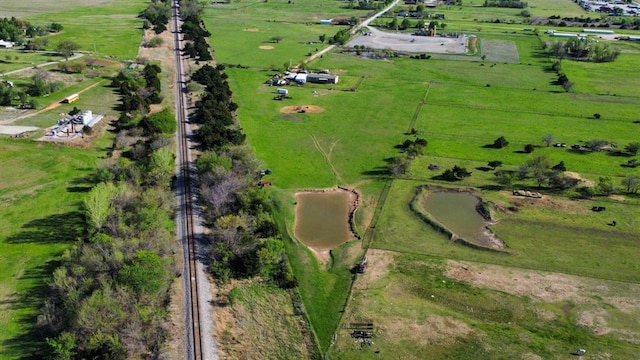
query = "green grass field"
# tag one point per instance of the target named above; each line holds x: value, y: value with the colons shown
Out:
x: 459, y: 106
x: 104, y: 28
x: 42, y: 185
x: 40, y: 195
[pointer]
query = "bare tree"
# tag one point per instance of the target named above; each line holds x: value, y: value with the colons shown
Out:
x: 548, y: 139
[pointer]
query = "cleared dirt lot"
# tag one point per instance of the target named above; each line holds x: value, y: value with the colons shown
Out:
x: 406, y: 42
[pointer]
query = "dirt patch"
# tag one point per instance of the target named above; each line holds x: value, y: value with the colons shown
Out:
x: 595, y: 320
x: 379, y: 262
x: 559, y: 204
x: 617, y: 197
x: 311, y: 109
x: 575, y: 175
x: 547, y: 287
x: 530, y: 356
x: 266, y: 47
x: 431, y: 330
x: 251, y: 29
x: 322, y: 255
x: 101, y: 62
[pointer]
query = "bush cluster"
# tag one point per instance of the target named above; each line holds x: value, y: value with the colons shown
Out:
x: 138, y: 90
x: 193, y: 29
x: 157, y: 13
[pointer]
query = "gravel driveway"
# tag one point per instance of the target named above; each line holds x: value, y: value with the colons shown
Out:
x: 410, y: 43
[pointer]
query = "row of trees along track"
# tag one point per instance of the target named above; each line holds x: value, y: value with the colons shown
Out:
x: 244, y: 240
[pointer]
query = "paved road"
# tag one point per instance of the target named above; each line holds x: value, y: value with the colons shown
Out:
x: 353, y: 31
x: 76, y: 56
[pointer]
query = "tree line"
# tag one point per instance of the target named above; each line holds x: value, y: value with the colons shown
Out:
x: 193, y: 30
x: 157, y: 15
x: 16, y: 30
x: 244, y: 238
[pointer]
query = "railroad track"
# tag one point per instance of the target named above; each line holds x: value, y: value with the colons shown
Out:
x: 186, y: 223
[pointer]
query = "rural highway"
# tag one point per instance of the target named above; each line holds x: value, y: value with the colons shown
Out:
x: 199, y: 322
x: 354, y: 30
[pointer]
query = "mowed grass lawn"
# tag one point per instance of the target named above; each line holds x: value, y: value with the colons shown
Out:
x: 41, y: 189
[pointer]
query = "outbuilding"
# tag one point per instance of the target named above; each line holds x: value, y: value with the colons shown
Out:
x: 322, y: 78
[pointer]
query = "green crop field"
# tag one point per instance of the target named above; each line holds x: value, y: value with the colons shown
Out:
x: 460, y: 104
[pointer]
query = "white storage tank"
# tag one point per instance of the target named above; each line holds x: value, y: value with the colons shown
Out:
x: 87, y: 116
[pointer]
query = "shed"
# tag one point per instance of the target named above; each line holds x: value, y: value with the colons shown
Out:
x: 282, y: 91
x: 322, y: 78
x: 326, y: 22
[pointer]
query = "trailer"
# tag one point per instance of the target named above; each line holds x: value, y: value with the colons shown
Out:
x: 597, y: 31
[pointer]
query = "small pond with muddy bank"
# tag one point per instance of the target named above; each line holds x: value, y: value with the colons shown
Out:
x: 460, y: 214
x: 324, y: 218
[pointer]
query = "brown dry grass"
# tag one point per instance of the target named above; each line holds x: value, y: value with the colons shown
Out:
x: 263, y: 327
x: 309, y: 109
x: 433, y: 329
x: 379, y: 263
x: 251, y: 29
x: 598, y: 299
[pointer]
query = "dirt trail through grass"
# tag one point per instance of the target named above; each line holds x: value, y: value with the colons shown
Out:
x: 48, y: 108
x: 327, y: 156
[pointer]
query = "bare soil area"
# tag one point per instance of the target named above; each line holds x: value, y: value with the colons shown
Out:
x: 560, y: 204
x: 311, y: 109
x: 266, y: 47
x: 433, y: 329
x: 251, y: 29
x: 379, y: 262
x: 577, y: 176
x: 406, y: 42
x: 598, y: 300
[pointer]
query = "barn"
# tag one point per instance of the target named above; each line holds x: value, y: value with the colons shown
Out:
x: 322, y: 78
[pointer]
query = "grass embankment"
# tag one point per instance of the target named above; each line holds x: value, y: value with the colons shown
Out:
x: 42, y: 188
x: 265, y: 324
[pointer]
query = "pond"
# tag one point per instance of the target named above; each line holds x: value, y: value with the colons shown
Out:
x: 322, y: 218
x: 457, y: 212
